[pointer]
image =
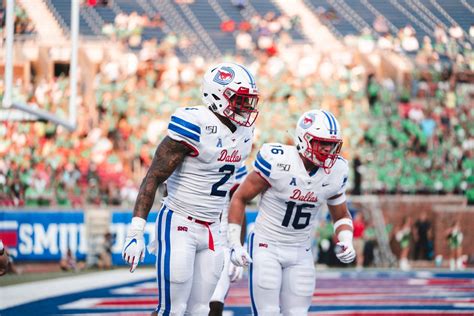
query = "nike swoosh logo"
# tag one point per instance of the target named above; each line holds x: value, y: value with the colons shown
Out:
x: 308, y: 249
x: 246, y: 140
x: 325, y: 184
x: 130, y: 243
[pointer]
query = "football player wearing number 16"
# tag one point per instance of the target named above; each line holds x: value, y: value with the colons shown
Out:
x: 204, y: 147
x: 294, y: 183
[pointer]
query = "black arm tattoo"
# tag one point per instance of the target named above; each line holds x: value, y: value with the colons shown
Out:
x: 168, y: 156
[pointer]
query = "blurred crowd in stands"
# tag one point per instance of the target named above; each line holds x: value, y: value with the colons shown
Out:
x: 446, y: 42
x: 128, y: 28
x: 412, y: 138
x: 22, y: 23
x: 410, y: 239
x: 262, y: 33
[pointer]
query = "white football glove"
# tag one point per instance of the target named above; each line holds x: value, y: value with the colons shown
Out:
x: 345, y: 252
x: 235, y: 272
x: 134, y: 247
x: 239, y: 256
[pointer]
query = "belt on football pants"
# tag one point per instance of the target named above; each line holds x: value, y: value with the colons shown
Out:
x: 206, y: 224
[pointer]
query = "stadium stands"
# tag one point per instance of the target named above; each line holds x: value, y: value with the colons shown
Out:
x: 62, y: 12
x: 350, y: 17
x: 411, y: 138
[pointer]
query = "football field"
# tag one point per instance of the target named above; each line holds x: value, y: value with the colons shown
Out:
x: 338, y: 292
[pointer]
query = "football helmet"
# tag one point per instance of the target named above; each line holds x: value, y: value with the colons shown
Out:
x: 318, y: 138
x: 230, y: 90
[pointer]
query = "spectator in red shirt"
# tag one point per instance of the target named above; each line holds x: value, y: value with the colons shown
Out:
x: 228, y: 26
x: 245, y: 26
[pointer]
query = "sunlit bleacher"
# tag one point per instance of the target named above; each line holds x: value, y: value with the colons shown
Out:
x: 350, y: 17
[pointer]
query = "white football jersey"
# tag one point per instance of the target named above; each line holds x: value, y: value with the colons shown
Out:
x: 287, y: 210
x: 199, y: 186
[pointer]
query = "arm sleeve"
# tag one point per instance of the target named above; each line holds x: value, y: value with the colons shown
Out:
x: 341, y: 177
x: 184, y: 127
x: 263, y: 163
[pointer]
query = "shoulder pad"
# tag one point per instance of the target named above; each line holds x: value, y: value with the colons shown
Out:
x: 185, y: 126
x: 268, y: 156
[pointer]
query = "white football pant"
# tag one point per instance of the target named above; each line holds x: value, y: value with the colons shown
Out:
x: 187, y: 267
x: 281, y: 278
x: 224, y: 281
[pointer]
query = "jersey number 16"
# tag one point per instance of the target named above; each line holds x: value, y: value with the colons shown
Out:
x: 299, y: 214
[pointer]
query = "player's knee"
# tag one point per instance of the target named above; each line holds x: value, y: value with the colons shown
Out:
x: 270, y: 277
x: 304, y: 282
x: 180, y: 275
x: 212, y: 270
x: 181, y: 271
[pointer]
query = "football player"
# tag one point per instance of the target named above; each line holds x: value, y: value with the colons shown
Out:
x: 203, y: 148
x: 231, y: 272
x: 294, y: 183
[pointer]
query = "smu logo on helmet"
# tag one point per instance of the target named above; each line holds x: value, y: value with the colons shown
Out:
x: 307, y: 121
x: 224, y: 75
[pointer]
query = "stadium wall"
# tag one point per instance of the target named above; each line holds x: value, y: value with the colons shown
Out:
x: 440, y: 210
x: 45, y: 234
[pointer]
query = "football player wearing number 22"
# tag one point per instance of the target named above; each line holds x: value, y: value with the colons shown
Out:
x: 294, y: 183
x: 198, y: 159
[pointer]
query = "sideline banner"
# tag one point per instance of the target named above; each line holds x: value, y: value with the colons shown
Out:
x: 33, y: 235
x: 42, y: 236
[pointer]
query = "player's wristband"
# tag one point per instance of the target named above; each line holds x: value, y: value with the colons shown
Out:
x: 345, y: 236
x: 233, y: 234
x: 138, y: 223
x: 343, y: 221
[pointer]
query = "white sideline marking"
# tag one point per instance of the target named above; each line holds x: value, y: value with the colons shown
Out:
x: 417, y: 282
x: 90, y: 303
x: 83, y: 303
x: 464, y: 305
x: 14, y: 295
x: 424, y: 274
x: 135, y: 289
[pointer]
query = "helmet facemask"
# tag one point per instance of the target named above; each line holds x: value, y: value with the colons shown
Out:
x: 242, y: 106
x: 323, y: 152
